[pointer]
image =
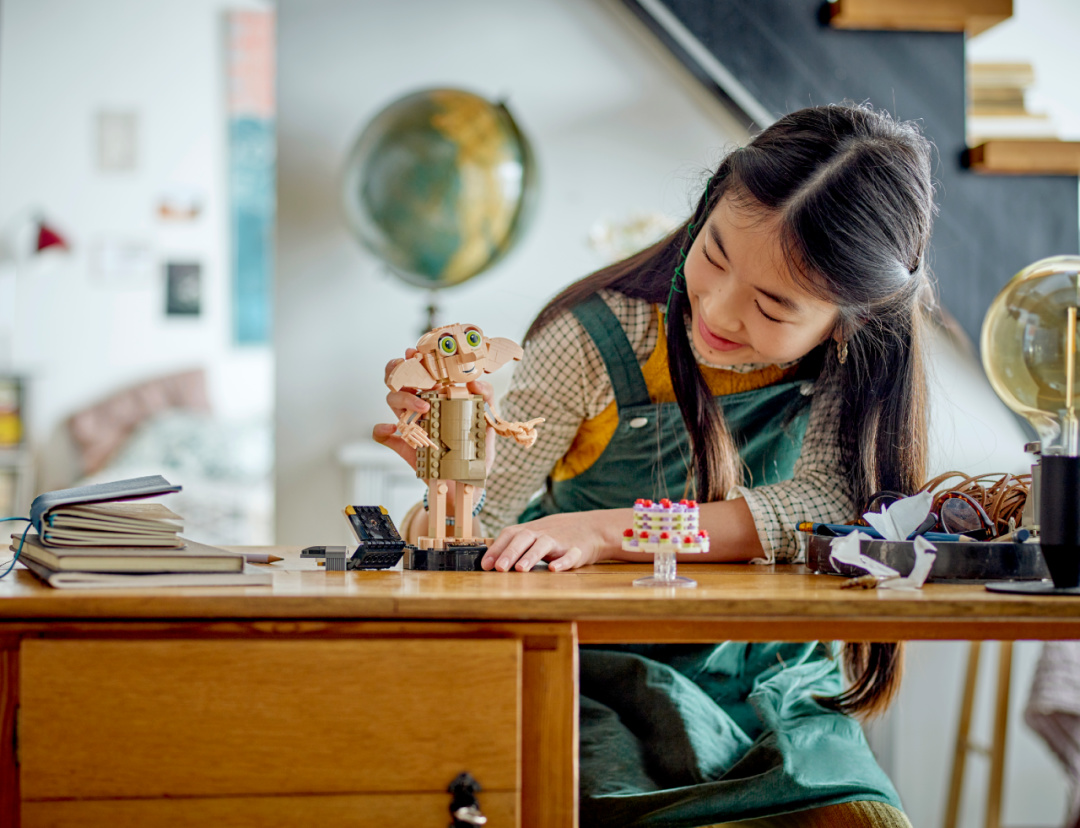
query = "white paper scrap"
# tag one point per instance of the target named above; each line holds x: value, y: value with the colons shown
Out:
x: 902, y: 518
x: 925, y: 553
x: 845, y: 549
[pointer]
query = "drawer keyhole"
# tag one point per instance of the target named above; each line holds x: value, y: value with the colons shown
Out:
x: 464, y: 807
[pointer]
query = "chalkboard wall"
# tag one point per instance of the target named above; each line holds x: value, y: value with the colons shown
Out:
x: 989, y: 226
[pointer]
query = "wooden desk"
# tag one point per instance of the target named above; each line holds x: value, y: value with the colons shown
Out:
x: 354, y: 698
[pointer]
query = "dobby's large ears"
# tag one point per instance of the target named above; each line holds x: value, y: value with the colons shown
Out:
x: 500, y: 351
x: 411, y: 374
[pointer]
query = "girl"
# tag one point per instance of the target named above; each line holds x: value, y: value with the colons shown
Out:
x: 764, y: 359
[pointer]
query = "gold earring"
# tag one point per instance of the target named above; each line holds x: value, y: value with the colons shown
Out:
x: 841, y: 351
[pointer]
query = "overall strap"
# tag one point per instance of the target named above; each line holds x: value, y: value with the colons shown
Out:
x: 621, y: 362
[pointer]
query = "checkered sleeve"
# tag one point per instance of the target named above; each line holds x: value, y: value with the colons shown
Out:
x: 562, y: 378
x: 818, y: 490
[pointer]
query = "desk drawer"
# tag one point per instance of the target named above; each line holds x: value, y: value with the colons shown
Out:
x: 186, y: 718
x: 353, y: 810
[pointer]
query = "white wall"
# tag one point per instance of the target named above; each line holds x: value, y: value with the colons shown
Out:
x: 615, y: 128
x: 61, y: 61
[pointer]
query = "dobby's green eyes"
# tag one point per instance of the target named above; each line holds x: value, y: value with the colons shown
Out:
x: 447, y: 345
x: 473, y: 338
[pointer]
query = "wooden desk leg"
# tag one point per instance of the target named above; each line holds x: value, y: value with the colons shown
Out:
x: 956, y: 786
x: 549, y: 744
x: 9, y: 702
x: 997, y: 749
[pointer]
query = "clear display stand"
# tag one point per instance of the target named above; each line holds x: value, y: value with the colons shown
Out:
x: 664, y: 573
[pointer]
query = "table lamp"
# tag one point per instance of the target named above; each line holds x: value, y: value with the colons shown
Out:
x: 1029, y: 353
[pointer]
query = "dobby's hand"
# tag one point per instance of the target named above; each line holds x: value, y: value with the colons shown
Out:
x: 410, y: 430
x: 523, y: 433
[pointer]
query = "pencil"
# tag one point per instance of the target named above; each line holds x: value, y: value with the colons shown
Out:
x: 260, y: 557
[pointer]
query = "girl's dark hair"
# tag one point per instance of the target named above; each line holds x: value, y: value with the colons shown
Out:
x: 853, y: 192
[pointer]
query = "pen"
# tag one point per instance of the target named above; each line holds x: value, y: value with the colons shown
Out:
x: 260, y: 557
x: 836, y: 530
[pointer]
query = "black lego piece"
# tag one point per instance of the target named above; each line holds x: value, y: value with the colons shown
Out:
x: 380, y: 546
x: 451, y: 559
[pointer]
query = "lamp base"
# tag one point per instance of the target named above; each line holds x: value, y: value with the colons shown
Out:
x: 1031, y: 588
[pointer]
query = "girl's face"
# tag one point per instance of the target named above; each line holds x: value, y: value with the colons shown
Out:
x: 745, y: 307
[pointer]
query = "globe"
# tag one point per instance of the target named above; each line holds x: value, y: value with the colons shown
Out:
x: 1029, y: 350
x: 439, y: 185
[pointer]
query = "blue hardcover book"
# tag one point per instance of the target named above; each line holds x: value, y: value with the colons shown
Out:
x: 130, y: 489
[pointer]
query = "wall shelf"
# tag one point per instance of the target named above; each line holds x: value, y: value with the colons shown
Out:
x: 1025, y: 157
x: 971, y: 16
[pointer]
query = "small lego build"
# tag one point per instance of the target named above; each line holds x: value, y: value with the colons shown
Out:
x: 380, y: 546
x: 450, y: 437
x: 665, y: 529
x: 335, y: 559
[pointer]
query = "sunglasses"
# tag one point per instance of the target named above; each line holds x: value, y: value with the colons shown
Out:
x: 953, y: 512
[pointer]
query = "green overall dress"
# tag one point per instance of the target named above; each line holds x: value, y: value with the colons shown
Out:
x: 675, y: 735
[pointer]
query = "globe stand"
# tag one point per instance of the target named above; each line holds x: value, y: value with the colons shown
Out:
x: 432, y: 312
x: 664, y: 564
x: 1059, y: 530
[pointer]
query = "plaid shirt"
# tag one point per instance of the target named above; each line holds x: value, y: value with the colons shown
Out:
x: 563, y: 379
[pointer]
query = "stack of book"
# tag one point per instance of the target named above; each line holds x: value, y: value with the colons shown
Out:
x: 95, y: 536
x: 997, y: 105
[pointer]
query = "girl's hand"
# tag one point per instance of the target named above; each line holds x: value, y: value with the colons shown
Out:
x: 399, y: 402
x: 567, y: 541
x: 406, y: 400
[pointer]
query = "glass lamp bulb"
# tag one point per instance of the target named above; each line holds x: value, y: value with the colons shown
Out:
x: 1029, y: 350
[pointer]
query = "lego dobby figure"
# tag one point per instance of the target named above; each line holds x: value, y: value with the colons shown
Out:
x: 450, y: 437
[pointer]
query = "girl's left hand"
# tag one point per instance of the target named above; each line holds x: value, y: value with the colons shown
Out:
x: 566, y: 541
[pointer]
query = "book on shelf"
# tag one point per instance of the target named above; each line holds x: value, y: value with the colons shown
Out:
x: 193, y: 557
x: 140, y: 580
x: 102, y: 514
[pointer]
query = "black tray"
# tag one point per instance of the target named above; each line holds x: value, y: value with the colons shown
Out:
x: 974, y: 562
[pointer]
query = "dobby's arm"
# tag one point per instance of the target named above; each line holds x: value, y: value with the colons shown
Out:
x: 523, y: 433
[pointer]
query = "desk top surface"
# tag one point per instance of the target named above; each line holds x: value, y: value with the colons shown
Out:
x: 758, y: 601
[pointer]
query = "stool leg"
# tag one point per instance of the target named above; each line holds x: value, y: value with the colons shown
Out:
x: 952, y: 810
x: 997, y: 748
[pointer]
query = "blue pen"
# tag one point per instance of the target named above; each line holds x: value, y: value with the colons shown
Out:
x: 838, y: 529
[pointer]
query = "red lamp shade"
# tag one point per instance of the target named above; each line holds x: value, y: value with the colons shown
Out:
x: 47, y: 237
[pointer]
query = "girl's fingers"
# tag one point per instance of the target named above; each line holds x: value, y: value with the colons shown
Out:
x: 507, y: 548
x: 484, y: 389
x: 517, y: 547
x: 572, y: 558
x: 385, y: 433
x: 541, y: 548
x: 402, y: 401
